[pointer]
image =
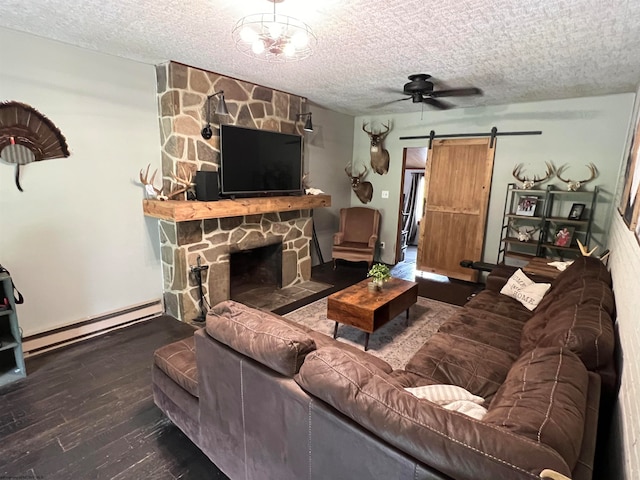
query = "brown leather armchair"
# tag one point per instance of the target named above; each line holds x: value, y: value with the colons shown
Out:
x: 356, y: 240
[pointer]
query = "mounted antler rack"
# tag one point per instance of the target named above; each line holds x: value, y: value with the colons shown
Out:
x: 493, y: 134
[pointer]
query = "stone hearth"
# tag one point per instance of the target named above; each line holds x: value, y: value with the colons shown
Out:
x: 213, y: 240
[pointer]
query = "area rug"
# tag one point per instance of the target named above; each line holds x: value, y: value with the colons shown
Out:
x: 395, y: 343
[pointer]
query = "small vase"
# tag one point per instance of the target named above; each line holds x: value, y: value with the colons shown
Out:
x: 375, y: 286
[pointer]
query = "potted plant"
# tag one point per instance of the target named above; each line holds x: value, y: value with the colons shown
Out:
x: 380, y: 273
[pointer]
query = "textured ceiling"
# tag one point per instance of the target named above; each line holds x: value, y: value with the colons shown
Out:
x: 516, y: 51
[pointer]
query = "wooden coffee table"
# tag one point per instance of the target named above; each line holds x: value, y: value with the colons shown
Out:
x: 358, y: 307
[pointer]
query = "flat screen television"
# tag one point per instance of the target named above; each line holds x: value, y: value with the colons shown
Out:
x: 259, y: 162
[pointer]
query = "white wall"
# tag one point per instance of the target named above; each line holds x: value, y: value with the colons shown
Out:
x: 327, y: 150
x: 623, y: 453
x: 76, y: 241
x: 574, y: 131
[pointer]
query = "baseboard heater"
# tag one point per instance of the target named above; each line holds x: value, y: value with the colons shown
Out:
x: 92, y: 327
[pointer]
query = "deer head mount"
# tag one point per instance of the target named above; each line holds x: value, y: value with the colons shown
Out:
x: 574, y: 185
x: 523, y: 233
x: 379, y: 156
x: 363, y: 190
x: 150, y: 190
x: 528, y: 184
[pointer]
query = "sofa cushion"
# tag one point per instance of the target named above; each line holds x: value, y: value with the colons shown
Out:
x: 498, y: 304
x: 263, y: 336
x: 454, y: 444
x: 544, y: 398
x: 585, y: 330
x: 178, y: 361
x: 485, y: 327
x: 450, y: 359
x: 322, y: 340
x: 583, y: 268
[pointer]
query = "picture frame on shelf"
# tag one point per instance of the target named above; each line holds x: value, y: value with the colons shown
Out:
x: 577, y: 209
x: 527, y: 206
x: 564, y: 236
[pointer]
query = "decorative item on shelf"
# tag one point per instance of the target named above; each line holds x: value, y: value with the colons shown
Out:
x: 379, y: 155
x: 273, y: 37
x: 584, y: 251
x: 521, y: 232
x: 221, y: 109
x: 576, y: 211
x: 183, y: 182
x: 574, y: 185
x: 308, y: 126
x: 528, y: 184
x: 26, y: 136
x: 379, y: 274
x: 363, y: 190
x: 563, y: 236
x: 150, y: 190
x: 527, y: 206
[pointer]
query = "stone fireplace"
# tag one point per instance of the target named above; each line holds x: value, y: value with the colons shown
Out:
x: 182, y: 92
x: 214, y: 240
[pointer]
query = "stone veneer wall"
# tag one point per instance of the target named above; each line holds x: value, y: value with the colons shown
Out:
x: 214, y: 240
x: 182, y: 94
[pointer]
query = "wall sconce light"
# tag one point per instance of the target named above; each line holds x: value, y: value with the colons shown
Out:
x: 221, y: 109
x: 308, y: 126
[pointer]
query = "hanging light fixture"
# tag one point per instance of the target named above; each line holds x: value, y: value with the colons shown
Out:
x: 308, y: 126
x: 221, y: 109
x: 273, y: 38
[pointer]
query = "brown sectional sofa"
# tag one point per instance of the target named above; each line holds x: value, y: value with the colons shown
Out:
x: 271, y: 399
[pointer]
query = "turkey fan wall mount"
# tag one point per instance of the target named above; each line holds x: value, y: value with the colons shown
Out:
x: 420, y: 89
x: 28, y: 136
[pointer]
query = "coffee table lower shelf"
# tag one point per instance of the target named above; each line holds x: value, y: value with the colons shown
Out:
x: 356, y: 306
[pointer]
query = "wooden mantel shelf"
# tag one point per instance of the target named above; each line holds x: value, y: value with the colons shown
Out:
x: 184, y: 211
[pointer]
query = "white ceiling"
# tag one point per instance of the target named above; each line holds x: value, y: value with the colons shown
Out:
x: 516, y: 51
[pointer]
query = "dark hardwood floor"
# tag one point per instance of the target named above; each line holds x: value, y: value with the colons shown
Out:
x: 86, y: 411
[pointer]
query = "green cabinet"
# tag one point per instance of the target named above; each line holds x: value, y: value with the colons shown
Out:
x: 545, y: 223
x: 12, y: 366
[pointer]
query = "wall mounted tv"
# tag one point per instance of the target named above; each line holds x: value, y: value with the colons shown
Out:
x: 259, y: 162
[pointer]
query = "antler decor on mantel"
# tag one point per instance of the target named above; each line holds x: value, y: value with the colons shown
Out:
x: 528, y: 184
x: 574, y: 185
x: 150, y: 190
x: 183, y: 181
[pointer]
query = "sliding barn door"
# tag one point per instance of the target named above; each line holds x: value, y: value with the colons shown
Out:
x: 457, y: 186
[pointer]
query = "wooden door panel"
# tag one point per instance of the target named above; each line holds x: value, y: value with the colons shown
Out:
x: 457, y: 185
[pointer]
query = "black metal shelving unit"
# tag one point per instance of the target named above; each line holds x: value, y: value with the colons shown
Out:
x: 12, y: 366
x: 551, y: 212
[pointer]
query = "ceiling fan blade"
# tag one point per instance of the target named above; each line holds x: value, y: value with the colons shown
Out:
x: 456, y: 92
x: 437, y: 103
x: 384, y: 104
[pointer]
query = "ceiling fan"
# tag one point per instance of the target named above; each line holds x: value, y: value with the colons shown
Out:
x: 420, y: 90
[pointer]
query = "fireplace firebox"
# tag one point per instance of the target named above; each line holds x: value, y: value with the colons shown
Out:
x: 255, y: 268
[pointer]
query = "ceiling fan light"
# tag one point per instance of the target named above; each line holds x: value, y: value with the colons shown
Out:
x: 300, y: 39
x: 275, y: 30
x: 257, y: 47
x: 248, y: 34
x: 289, y: 49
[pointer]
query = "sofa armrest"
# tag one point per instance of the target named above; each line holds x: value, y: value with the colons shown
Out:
x: 450, y: 442
x: 372, y: 241
x: 498, y: 277
x: 338, y: 238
